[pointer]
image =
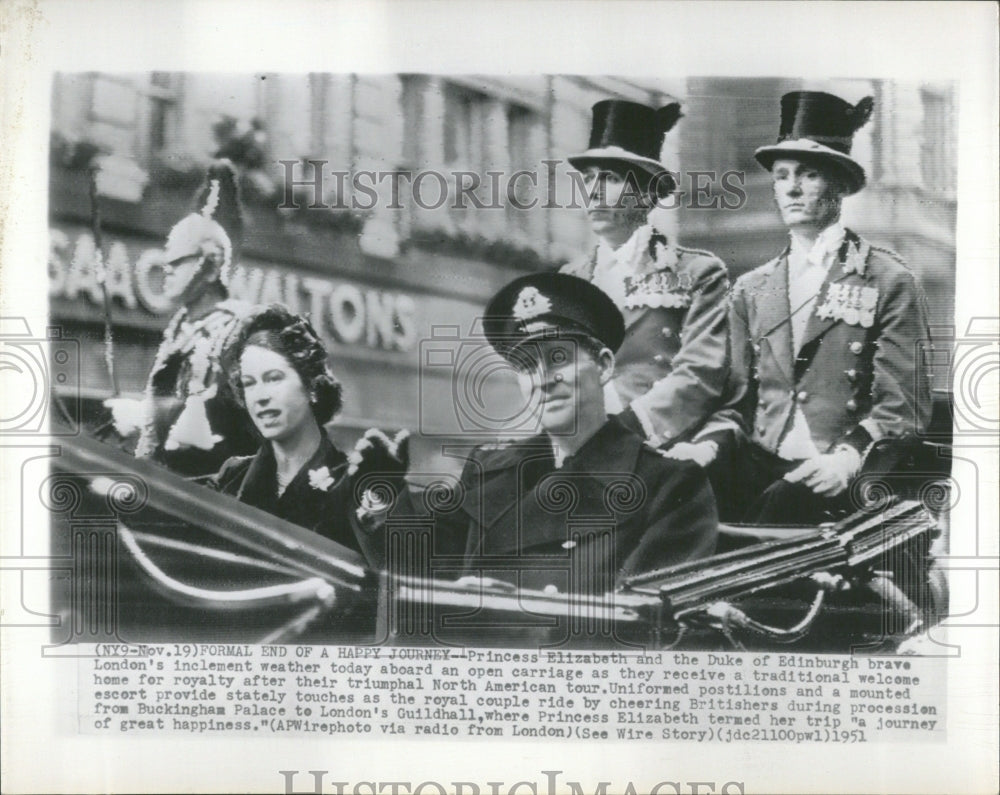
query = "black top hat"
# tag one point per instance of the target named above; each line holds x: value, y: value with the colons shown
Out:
x: 551, y: 305
x: 820, y: 126
x: 629, y: 134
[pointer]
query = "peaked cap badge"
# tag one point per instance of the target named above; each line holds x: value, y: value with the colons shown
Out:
x: 531, y: 303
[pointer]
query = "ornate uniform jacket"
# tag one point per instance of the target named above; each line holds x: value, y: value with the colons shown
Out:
x: 615, y: 508
x: 187, y: 365
x: 672, y: 368
x: 858, y: 376
x: 320, y: 497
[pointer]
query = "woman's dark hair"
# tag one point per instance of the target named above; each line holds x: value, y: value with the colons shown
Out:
x: 293, y: 337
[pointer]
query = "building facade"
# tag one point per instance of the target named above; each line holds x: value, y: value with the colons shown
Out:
x: 391, y: 207
x: 378, y: 204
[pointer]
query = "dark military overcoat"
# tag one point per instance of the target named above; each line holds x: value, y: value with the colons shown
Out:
x: 617, y: 507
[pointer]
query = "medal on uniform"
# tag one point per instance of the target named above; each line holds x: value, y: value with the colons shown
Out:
x: 854, y: 262
x: 853, y: 304
x: 851, y: 314
x: 868, y: 301
x: 631, y: 288
x: 833, y: 306
x: 661, y: 289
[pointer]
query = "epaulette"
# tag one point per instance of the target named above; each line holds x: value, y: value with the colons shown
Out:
x: 890, y: 253
x: 698, y: 251
x: 582, y: 266
x: 761, y: 271
x: 765, y: 269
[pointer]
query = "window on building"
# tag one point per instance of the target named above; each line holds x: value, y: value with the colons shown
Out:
x: 413, y: 88
x: 464, y: 128
x: 162, y: 92
x: 318, y: 113
x: 466, y: 155
x: 493, y: 137
x: 114, y: 113
x: 937, y: 141
x: 525, y: 145
x: 134, y: 116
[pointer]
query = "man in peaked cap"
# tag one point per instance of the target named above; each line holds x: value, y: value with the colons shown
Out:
x: 670, y: 381
x: 827, y: 337
x: 586, y: 501
x: 187, y: 419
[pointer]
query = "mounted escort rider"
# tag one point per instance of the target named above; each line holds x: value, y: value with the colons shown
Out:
x: 187, y: 419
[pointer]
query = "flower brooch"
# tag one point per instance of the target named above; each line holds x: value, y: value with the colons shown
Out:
x: 320, y: 478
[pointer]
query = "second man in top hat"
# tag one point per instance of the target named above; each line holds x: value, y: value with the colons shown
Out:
x: 670, y: 381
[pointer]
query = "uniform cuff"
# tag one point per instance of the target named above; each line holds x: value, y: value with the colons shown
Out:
x: 860, y: 439
x: 718, y: 430
x: 720, y: 436
x: 873, y: 429
x: 638, y: 419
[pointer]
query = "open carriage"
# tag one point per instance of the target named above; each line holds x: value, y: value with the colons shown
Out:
x: 158, y: 558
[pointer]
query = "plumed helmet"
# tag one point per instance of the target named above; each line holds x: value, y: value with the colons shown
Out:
x: 216, y: 226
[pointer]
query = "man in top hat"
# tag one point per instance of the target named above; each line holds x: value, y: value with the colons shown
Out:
x: 827, y: 337
x: 585, y: 502
x: 188, y: 420
x: 670, y: 379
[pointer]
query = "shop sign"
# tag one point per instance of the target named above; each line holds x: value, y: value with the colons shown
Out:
x: 347, y: 312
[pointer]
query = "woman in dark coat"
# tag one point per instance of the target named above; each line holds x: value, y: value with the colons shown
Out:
x: 278, y: 369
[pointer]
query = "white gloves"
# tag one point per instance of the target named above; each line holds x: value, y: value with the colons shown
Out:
x: 829, y: 474
x: 192, y: 428
x: 702, y: 453
x: 128, y: 415
x: 376, y: 454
